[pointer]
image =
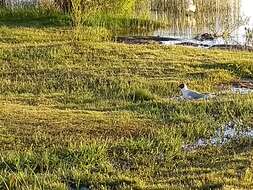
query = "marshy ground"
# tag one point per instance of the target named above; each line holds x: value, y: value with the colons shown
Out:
x: 101, y: 115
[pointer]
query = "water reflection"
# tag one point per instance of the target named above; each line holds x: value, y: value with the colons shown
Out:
x: 246, y: 9
x: 187, y: 18
x: 221, y: 137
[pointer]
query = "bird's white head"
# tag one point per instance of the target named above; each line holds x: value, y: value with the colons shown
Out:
x: 183, y: 87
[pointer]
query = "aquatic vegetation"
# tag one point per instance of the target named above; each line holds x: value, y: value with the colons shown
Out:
x: 249, y: 36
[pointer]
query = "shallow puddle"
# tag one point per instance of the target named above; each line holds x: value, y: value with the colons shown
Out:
x: 243, y: 87
x: 221, y: 136
x: 242, y: 90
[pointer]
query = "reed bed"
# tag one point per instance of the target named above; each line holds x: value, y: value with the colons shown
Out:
x: 213, y: 15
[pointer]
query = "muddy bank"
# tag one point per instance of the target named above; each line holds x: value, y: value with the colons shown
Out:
x: 246, y: 84
x: 192, y: 44
x: 180, y: 42
x: 144, y: 39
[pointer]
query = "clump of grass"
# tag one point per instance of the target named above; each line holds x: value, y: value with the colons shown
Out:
x: 141, y: 95
x: 95, y: 34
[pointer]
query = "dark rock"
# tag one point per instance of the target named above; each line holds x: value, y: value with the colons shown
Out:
x: 205, y: 36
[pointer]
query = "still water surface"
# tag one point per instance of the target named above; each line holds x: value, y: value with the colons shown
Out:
x: 186, y: 26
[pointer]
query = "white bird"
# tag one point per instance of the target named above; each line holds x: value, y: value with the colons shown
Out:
x: 190, y: 6
x: 190, y: 94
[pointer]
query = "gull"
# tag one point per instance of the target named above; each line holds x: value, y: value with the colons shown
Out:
x: 190, y: 94
x: 191, y: 7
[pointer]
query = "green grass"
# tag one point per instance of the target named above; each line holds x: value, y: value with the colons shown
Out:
x: 124, y: 24
x: 29, y: 16
x: 102, y: 115
x: 41, y: 17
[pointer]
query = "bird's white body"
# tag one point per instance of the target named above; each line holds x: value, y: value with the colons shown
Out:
x: 190, y: 94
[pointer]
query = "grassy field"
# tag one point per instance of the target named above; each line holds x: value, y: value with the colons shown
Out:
x: 102, y: 115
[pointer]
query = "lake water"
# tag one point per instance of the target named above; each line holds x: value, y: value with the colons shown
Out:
x: 212, y: 19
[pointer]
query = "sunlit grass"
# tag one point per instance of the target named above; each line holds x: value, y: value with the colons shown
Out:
x: 97, y: 114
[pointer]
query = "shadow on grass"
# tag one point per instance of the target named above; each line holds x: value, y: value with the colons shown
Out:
x: 109, y: 183
x: 36, y: 22
x: 212, y: 186
x: 241, y: 70
x: 30, y: 16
